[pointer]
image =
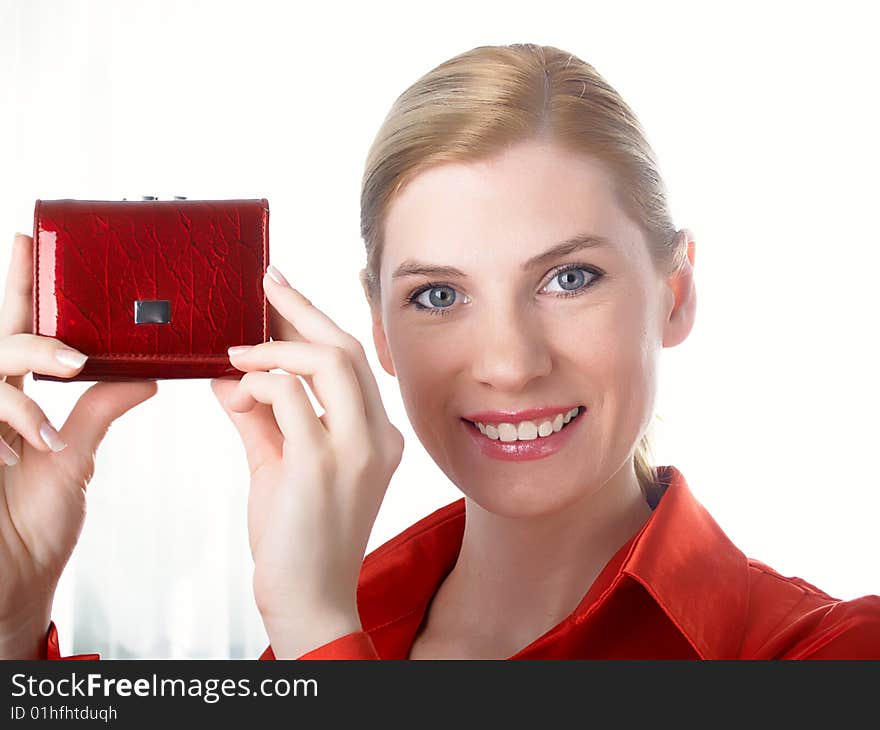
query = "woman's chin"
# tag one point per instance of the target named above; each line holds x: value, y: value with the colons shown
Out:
x: 523, y: 500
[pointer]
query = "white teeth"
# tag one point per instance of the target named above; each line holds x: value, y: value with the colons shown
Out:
x: 526, y: 430
x: 507, y: 432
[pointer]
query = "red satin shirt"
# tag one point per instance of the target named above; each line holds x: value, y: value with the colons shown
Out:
x: 678, y: 589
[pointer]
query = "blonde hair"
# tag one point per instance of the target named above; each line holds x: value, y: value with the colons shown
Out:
x: 484, y: 100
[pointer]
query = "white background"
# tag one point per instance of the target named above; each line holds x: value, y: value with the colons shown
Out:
x: 764, y: 118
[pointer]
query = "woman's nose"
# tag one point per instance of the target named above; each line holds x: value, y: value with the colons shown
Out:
x: 509, y: 352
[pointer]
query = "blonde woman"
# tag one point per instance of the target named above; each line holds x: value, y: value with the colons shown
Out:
x: 523, y: 274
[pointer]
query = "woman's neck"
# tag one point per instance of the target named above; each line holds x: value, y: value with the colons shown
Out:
x: 527, y: 574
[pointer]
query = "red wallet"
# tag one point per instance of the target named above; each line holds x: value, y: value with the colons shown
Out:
x: 151, y: 289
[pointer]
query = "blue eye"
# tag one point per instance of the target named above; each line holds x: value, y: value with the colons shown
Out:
x: 571, y: 280
x: 442, y: 296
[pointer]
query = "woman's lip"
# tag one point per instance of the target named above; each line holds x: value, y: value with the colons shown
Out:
x: 537, y: 448
x: 530, y: 414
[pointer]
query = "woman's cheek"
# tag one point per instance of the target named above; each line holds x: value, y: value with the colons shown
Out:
x: 425, y: 373
x: 635, y: 373
x: 618, y: 364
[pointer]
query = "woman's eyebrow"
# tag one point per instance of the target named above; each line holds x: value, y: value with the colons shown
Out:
x: 570, y: 245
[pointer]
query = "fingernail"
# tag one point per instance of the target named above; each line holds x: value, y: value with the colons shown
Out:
x: 51, y: 437
x: 71, y: 358
x: 277, y: 276
x: 7, y: 453
x: 239, y: 350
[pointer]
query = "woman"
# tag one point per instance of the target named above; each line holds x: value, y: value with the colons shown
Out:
x: 523, y: 275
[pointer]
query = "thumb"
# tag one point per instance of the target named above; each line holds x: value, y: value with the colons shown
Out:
x: 257, y: 428
x: 98, y: 407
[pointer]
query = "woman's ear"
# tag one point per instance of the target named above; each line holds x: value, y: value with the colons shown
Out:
x: 379, y: 339
x: 681, y: 316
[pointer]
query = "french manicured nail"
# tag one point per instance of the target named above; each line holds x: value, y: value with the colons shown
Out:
x: 71, y: 358
x: 277, y: 276
x: 7, y: 453
x: 240, y: 350
x: 51, y: 437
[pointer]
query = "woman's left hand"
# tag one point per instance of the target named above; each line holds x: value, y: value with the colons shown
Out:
x: 316, y: 482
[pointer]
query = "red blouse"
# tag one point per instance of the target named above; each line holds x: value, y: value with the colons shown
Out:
x: 678, y: 589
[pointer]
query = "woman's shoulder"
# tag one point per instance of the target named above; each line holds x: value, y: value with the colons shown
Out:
x: 773, y: 616
x: 790, y: 618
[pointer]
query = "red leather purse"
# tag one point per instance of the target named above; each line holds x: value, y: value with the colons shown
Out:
x: 151, y: 289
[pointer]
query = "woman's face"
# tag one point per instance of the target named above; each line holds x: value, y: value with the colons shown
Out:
x: 512, y: 332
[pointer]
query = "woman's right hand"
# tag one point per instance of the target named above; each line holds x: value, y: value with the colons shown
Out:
x: 42, y: 487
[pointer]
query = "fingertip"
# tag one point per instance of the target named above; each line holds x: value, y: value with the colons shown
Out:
x: 277, y: 276
x: 151, y: 387
x: 221, y: 389
x: 71, y: 358
x: 23, y: 244
x: 7, y: 453
x: 51, y: 437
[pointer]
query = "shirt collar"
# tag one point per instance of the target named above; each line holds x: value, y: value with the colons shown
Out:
x: 685, y: 562
x: 692, y: 570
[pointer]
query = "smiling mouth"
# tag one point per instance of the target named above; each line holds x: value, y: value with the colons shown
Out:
x: 527, y: 430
